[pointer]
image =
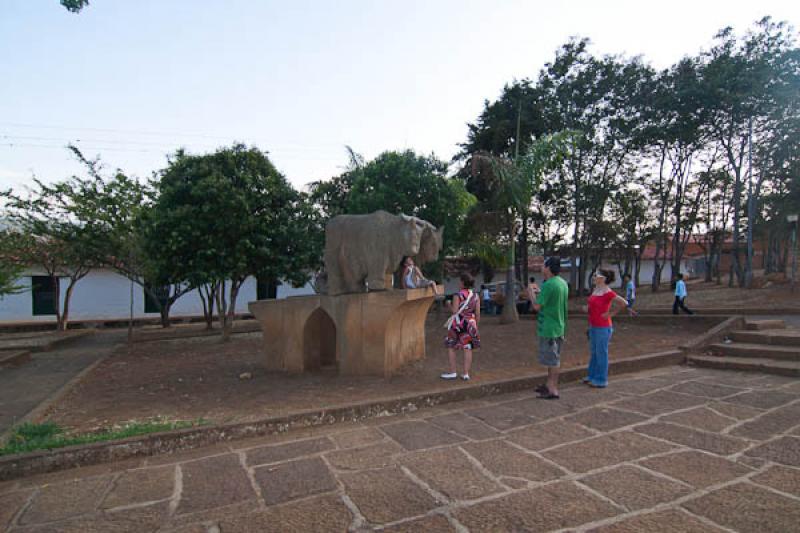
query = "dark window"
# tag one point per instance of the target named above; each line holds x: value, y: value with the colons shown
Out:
x: 150, y: 305
x: 266, y: 289
x: 44, y: 290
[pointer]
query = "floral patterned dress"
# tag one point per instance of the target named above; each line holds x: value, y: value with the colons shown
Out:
x: 463, y: 332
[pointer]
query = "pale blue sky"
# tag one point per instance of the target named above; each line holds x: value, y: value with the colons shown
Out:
x: 132, y: 80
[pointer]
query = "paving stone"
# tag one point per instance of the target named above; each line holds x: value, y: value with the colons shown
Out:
x: 419, y: 435
x: 606, y: 418
x: 712, y: 442
x: 387, y: 495
x: 358, y: 438
x: 502, y: 417
x: 503, y: 459
x: 140, y: 486
x: 739, y: 412
x: 705, y: 390
x: 451, y: 473
x: 213, y: 482
x: 146, y: 518
x: 781, y: 478
x: 377, y: 455
x: 538, y: 408
x: 10, y: 504
x: 638, y: 386
x: 583, y: 397
x: 670, y: 521
x: 214, y: 515
x: 700, y: 418
x: 464, y: 425
x: 767, y: 381
x: 659, y: 402
x: 634, y: 488
x: 557, y: 506
x: 64, y: 500
x: 785, y: 450
x: 429, y: 524
x: 188, y: 455
x: 284, y: 452
x: 778, y: 421
x: 695, y: 468
x: 605, y: 450
x: 745, y: 507
x: 548, y: 434
x: 763, y: 399
x: 296, y: 479
x: 326, y: 513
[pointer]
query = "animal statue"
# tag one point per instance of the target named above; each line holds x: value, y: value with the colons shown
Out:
x: 362, y: 251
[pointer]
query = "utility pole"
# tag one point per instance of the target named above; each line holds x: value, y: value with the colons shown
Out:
x: 510, y: 308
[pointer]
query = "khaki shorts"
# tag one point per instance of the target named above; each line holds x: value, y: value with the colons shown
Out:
x: 550, y: 351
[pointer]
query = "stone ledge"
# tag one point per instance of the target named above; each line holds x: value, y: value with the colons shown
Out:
x: 16, y: 466
x: 715, y: 334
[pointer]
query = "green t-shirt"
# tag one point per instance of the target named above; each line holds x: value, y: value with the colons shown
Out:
x: 552, y: 319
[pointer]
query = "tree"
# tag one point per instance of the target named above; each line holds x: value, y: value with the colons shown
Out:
x: 10, y: 266
x: 226, y: 216
x: 398, y: 182
x: 116, y: 209
x: 50, y: 237
x: 74, y: 6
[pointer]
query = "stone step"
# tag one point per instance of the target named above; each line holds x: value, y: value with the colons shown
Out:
x: 781, y: 337
x: 770, y: 323
x: 743, y: 349
x: 14, y: 358
x: 749, y: 364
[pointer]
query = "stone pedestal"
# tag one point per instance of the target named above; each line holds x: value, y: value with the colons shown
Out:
x: 371, y: 333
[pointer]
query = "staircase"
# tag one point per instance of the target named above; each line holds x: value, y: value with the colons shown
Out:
x: 763, y: 346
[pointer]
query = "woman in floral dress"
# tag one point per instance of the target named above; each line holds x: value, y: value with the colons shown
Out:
x: 462, y: 328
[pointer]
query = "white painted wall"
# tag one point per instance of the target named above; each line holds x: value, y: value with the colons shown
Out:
x: 103, y: 294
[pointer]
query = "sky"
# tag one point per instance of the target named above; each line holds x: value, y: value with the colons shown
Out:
x: 131, y: 81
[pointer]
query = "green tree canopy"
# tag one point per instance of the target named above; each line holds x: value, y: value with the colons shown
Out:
x: 226, y: 216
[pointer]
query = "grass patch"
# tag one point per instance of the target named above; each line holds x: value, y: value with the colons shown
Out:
x: 29, y: 437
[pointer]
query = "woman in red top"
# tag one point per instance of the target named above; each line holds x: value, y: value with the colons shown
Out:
x: 600, y: 327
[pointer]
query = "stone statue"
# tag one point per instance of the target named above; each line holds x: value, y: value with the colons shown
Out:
x: 362, y: 251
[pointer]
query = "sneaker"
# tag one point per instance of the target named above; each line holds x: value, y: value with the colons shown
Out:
x: 465, y: 377
x: 449, y: 375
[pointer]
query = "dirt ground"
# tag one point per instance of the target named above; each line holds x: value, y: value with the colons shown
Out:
x: 701, y: 294
x: 188, y: 379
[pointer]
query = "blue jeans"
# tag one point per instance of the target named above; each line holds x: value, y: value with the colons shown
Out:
x: 598, y: 364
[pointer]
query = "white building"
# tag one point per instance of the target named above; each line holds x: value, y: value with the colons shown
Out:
x: 104, y: 295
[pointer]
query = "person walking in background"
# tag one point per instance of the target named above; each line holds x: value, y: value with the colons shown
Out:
x: 487, y: 299
x: 600, y: 312
x: 462, y: 328
x: 533, y: 289
x: 680, y: 296
x: 630, y: 293
x: 551, y: 324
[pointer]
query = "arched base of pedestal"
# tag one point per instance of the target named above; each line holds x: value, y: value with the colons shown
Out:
x: 373, y: 333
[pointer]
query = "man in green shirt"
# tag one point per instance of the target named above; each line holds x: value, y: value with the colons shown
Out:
x: 551, y: 304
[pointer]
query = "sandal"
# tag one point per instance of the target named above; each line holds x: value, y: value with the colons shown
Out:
x: 541, y: 389
x: 548, y: 396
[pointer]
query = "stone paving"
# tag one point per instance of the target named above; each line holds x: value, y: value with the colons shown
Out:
x: 678, y: 449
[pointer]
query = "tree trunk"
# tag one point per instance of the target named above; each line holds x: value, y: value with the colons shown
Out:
x: 163, y: 310
x: 231, y: 315
x: 524, y: 251
x: 63, y: 319
x: 208, y: 293
x: 510, y: 314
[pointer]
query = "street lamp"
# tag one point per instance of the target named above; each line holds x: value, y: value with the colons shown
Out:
x: 794, y: 218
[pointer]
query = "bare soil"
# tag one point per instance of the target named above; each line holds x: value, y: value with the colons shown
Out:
x: 707, y: 295
x: 187, y: 379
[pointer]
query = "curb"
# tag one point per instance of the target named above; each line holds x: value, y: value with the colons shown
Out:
x: 161, y: 335
x: 39, y: 462
x: 14, y: 358
x: 715, y: 334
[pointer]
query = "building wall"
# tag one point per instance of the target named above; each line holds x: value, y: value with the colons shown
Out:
x: 103, y: 294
